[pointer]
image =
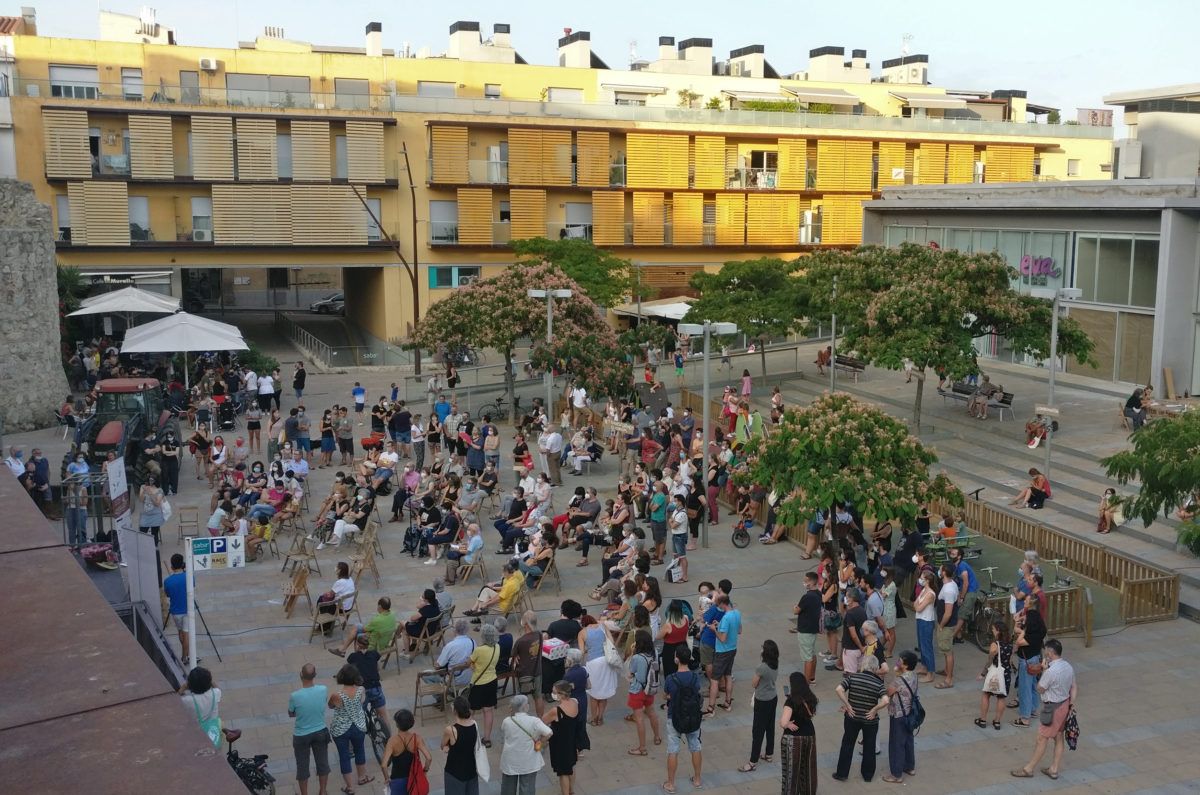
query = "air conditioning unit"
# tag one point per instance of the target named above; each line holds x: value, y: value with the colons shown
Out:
x: 208, y: 64
x: 202, y: 235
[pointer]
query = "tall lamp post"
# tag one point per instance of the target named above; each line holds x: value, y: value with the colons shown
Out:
x: 833, y: 345
x: 1057, y: 295
x: 707, y: 328
x: 549, y: 295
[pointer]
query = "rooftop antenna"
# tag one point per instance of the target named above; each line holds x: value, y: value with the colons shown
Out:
x: 905, y: 40
x: 632, y: 52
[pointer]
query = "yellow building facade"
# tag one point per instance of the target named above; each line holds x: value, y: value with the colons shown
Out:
x: 280, y: 165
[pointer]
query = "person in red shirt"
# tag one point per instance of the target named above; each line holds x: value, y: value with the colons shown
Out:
x: 649, y: 448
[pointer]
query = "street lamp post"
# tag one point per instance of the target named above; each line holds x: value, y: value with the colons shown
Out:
x: 1057, y: 296
x: 833, y: 345
x: 707, y: 328
x: 549, y: 295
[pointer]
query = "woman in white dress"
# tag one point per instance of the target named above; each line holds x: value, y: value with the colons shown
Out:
x: 603, y: 680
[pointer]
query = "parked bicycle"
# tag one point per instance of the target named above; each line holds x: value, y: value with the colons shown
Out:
x: 1059, y: 580
x: 979, y: 623
x: 500, y: 409
x: 252, y: 772
x: 377, y: 732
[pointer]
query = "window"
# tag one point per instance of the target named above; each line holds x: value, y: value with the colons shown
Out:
x: 278, y: 91
x: 283, y: 155
x: 139, y: 218
x: 491, y: 90
x: 372, y: 218
x: 1117, y: 270
x: 1072, y: 168
x: 340, y: 168
x: 74, y: 82
x: 430, y: 88
x: 1113, y: 270
x: 4, y: 89
x: 201, y: 219
x: 578, y: 220
x: 447, y: 276
x: 625, y: 98
x: 277, y: 278
x: 352, y: 94
x: 1144, y: 287
x: 443, y: 223
x: 62, y: 208
x: 189, y: 88
x: 564, y: 94
x: 131, y: 84
x: 505, y: 213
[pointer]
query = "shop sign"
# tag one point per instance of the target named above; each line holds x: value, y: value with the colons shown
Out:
x: 1039, y: 266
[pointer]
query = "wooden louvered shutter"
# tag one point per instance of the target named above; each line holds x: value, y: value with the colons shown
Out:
x: 793, y: 164
x: 891, y: 163
x: 731, y: 219
x: 932, y: 170
x: 960, y: 164
x: 709, y: 161
x: 592, y: 156
x: 524, y: 156
x: 151, y: 153
x: 772, y: 219
x: 844, y: 165
x: 647, y: 218
x: 556, y: 157
x: 77, y: 201
x: 253, y: 214
x: 364, y: 151
x: 310, y: 151
x: 327, y: 215
x: 1006, y: 163
x: 608, y: 218
x: 450, y: 155
x: 674, y: 150
x: 528, y: 210
x: 256, y: 157
x: 65, y: 135
x: 656, y: 161
x: 212, y: 147
x: 106, y: 212
x: 842, y: 219
x: 687, y: 219
x: 475, y: 216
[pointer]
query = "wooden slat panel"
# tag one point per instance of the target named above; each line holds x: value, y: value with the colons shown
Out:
x: 556, y: 157
x: 709, y: 161
x: 793, y: 163
x: 608, y: 217
x: 253, y: 214
x: 844, y: 165
x: 593, y: 157
x: 910, y: 160
x: 932, y: 170
x: 65, y: 136
x: 77, y: 201
x: 772, y: 219
x: 1006, y: 163
x: 647, y: 218
x: 528, y: 208
x: 892, y: 157
x: 656, y: 161
x: 106, y: 210
x: 327, y: 215
x: 475, y: 216
x: 524, y: 157
x: 841, y: 219
x: 151, y: 153
x: 256, y: 156
x: 687, y: 219
x: 450, y: 156
x: 212, y: 147
x: 365, y: 159
x: 310, y: 151
x: 960, y: 164
x: 731, y: 219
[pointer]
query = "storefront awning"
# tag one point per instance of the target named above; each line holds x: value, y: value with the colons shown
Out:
x: 930, y: 100
x: 754, y: 96
x: 830, y: 96
x: 668, y: 308
x: 622, y: 88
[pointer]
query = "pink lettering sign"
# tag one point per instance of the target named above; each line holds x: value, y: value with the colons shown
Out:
x: 1039, y: 266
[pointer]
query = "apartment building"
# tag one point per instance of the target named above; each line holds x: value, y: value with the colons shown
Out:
x: 266, y: 174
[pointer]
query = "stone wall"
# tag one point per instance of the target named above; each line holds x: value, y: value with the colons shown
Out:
x: 32, y: 382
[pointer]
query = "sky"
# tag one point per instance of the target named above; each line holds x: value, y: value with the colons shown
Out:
x: 1064, y: 53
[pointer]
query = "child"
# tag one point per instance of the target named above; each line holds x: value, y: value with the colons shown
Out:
x: 706, y: 599
x: 263, y: 530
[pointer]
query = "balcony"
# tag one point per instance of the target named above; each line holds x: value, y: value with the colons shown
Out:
x: 495, y: 172
x: 446, y: 233
x: 111, y: 166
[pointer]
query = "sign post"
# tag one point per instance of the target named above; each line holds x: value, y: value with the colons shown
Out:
x: 206, y: 554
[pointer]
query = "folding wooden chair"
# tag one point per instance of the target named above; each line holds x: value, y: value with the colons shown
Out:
x: 465, y: 570
x: 302, y: 551
x: 293, y: 590
x: 189, y: 519
x: 324, y: 621
x: 551, y: 570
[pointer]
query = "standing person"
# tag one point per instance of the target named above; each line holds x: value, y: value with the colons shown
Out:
x: 902, y: 754
x: 684, y: 699
x: 1030, y: 634
x: 521, y: 756
x: 656, y: 509
x: 577, y: 676
x: 673, y: 633
x: 999, y: 684
x: 349, y: 726
x: 359, y: 393
x: 307, y: 707
x: 254, y: 414
x: 798, y: 745
x: 171, y: 460
x: 482, y: 695
x: 266, y: 391
x: 176, y: 588
x: 925, y: 608
x: 1058, y: 690
x: 809, y: 613
x: 766, y: 699
x: 968, y: 589
x: 863, y: 698
x: 304, y: 433
x: 562, y: 717
x: 152, y: 518
x: 417, y: 434
x: 641, y: 700
x: 299, y: 377
x: 404, y: 749
x: 724, y: 652
x: 947, y: 618
x: 201, y: 694
x: 344, y: 431
x: 551, y: 445
x: 746, y: 384
x: 458, y: 744
x: 852, y: 638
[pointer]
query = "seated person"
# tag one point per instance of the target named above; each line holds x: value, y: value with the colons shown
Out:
x: 354, y: 520
x: 977, y: 404
x: 540, y: 554
x: 947, y: 528
x: 470, y: 549
x: 469, y: 500
x: 289, y: 508
x: 385, y: 465
x: 1135, y: 408
x: 269, y: 502
x: 489, y: 479
x: 1189, y: 509
x: 260, y: 533
x: 584, y: 450
x: 424, y: 620
x: 1036, y: 430
x: 442, y: 536
x: 410, y: 483
x: 598, y: 532
x: 501, y: 595
x: 1036, y: 493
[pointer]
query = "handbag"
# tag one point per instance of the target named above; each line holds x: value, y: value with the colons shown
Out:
x: 993, y: 681
x: 166, y: 510
x: 212, y: 724
x: 1048, y: 710
x: 482, y: 767
x: 418, y: 782
x: 833, y: 620
x: 1034, y: 669
x: 612, y: 655
x: 1071, y: 729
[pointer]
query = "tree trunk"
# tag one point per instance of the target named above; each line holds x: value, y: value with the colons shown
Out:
x: 762, y: 350
x: 917, y: 401
x: 509, y: 387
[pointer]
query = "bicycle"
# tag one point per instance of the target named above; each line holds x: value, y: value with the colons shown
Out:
x: 377, y: 732
x: 499, y: 410
x: 1059, y: 580
x: 252, y: 772
x: 984, y: 615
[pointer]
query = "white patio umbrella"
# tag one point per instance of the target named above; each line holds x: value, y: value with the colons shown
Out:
x: 127, y: 302
x: 183, y: 332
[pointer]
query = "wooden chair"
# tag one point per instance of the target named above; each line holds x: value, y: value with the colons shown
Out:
x: 189, y: 518
x: 325, y: 621
x: 293, y: 590
x: 364, y: 560
x: 392, y: 648
x: 293, y: 523
x: 434, y: 686
x: 428, y: 642
x: 1125, y: 423
x: 302, y: 551
x: 465, y: 570
x: 551, y: 570
x: 523, y: 602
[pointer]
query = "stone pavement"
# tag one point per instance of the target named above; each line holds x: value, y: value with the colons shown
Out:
x: 1136, y: 730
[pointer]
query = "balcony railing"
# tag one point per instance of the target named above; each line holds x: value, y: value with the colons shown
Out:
x: 165, y: 94
x: 113, y: 165
x: 446, y: 233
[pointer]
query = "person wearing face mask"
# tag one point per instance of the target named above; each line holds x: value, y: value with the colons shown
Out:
x: 16, y: 460
x: 169, y: 450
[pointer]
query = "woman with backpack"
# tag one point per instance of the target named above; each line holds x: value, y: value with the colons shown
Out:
x: 643, y: 685
x: 798, y: 745
x: 902, y: 755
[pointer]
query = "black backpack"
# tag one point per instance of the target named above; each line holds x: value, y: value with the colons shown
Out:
x: 415, y: 543
x: 686, y: 705
x: 916, y: 713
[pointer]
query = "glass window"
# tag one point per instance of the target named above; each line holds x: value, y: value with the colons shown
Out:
x: 1144, y: 289
x: 62, y: 208
x: 245, y: 89
x: 189, y: 88
x: 959, y: 239
x: 1072, y: 168
x: 201, y: 218
x: 340, y: 168
x: 74, y: 82
x: 353, y: 94
x: 289, y: 92
x: 373, y: 212
x: 505, y: 212
x: 139, y: 218
x: 131, y: 84
x: 491, y: 90
x: 283, y: 155
x: 565, y: 94
x: 443, y: 222
x: 445, y: 276
x: 928, y: 234
x: 985, y: 240
x: 1113, y: 270
x: 430, y: 88
x: 1086, y: 250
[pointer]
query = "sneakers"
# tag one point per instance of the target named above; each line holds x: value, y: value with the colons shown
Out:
x: 431, y: 561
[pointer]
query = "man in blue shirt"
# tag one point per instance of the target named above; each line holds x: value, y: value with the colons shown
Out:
x: 176, y: 587
x: 441, y: 408
x: 726, y: 630
x: 968, y: 589
x: 307, y: 706
x: 360, y: 399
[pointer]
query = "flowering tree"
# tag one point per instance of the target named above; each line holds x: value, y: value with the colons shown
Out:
x: 928, y: 306
x: 839, y: 449
x: 497, y: 312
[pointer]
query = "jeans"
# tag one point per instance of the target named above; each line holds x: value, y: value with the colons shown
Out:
x: 77, y: 525
x: 318, y: 744
x: 925, y: 642
x: 352, y: 740
x: 870, y: 733
x: 902, y: 753
x: 764, y: 724
x: 1027, y: 697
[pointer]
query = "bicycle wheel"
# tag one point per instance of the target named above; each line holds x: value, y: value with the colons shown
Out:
x: 981, y: 618
x: 492, y: 410
x: 378, y: 738
x: 741, y: 537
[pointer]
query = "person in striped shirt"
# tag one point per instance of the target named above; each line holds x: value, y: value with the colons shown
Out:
x: 863, y: 697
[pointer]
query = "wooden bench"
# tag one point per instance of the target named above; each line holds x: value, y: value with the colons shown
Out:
x: 855, y: 367
x: 963, y: 391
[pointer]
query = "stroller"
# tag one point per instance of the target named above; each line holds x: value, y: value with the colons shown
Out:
x: 227, y: 416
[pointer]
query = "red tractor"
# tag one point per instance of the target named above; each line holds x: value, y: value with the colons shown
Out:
x: 127, y: 409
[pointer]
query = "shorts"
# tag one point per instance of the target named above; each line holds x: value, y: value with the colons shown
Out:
x: 693, y: 739
x: 808, y: 646
x: 723, y: 663
x: 968, y: 605
x: 639, y: 701
x: 404, y: 437
x: 679, y: 372
x: 304, y: 443
x: 375, y: 697
x: 180, y: 621
x: 945, y: 639
x: 814, y: 528
x: 358, y: 407
x: 706, y: 654
x: 679, y: 544
x: 328, y: 445
x: 850, y: 660
x: 253, y: 425
x: 314, y: 745
x: 346, y: 445
x: 658, y: 531
x: 482, y: 695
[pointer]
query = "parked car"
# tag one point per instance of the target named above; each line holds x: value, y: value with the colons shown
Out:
x: 329, y: 305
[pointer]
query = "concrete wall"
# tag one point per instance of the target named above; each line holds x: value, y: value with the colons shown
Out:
x: 31, y: 367
x: 1170, y: 144
x: 1175, y: 325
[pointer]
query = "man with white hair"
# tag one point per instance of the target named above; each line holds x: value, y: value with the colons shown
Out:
x: 456, y: 654
x: 16, y: 460
x: 550, y: 445
x: 520, y: 759
x: 863, y: 697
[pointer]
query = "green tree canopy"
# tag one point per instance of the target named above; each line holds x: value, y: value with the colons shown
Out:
x: 929, y: 305
x: 1165, y: 460
x: 606, y: 278
x: 762, y: 296
x: 647, y: 333
x: 839, y: 449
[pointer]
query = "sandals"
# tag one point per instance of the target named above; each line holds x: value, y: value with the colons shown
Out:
x: 1021, y: 723
x: 728, y: 705
x: 658, y: 741
x: 581, y: 564
x: 637, y: 752
x: 996, y: 725
x: 981, y: 723
x: 892, y: 780
x: 669, y: 788
x: 749, y: 767
x: 943, y: 686
x: 706, y: 713
x: 1021, y: 773
x: 1046, y: 772
x: 766, y: 759
x: 362, y: 782
x: 486, y: 744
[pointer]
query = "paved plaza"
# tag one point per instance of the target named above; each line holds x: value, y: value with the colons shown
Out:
x: 1137, y: 730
